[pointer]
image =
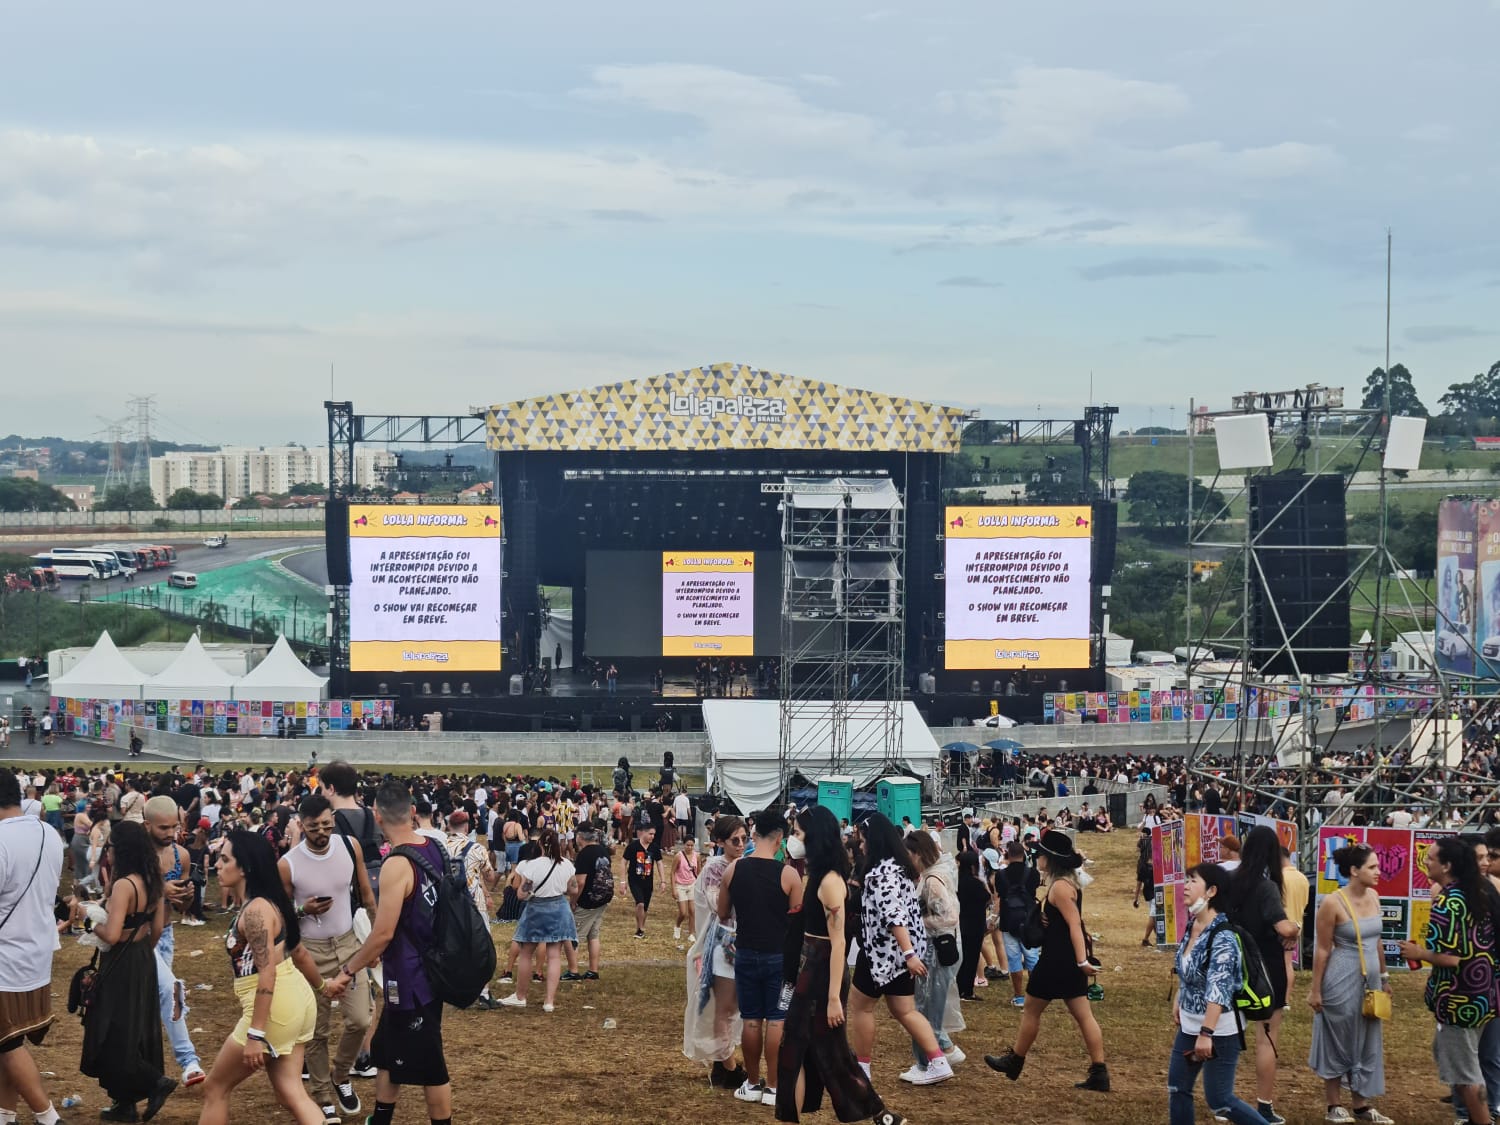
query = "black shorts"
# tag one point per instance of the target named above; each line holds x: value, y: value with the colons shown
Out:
x: 408, y: 1043
x: 640, y: 890
x: 904, y: 983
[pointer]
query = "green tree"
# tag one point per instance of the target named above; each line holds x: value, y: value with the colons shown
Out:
x: 1159, y: 500
x: 185, y: 499
x: 1473, y: 406
x: 128, y: 498
x: 1404, y: 399
x: 211, y: 613
x: 20, y: 494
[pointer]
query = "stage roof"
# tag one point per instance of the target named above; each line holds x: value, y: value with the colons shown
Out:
x: 728, y: 406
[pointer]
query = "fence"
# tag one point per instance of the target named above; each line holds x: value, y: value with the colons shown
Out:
x: 248, y: 520
x: 1135, y: 797
x: 1111, y: 737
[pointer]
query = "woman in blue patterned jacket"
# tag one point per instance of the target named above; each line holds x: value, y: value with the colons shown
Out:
x: 1209, y: 970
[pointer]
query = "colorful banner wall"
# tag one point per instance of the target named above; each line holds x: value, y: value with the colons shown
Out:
x: 105, y: 718
x: 1181, y: 845
x: 1405, y: 894
x: 1352, y: 702
x: 1487, y: 588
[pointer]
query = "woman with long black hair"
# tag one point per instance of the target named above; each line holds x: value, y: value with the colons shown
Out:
x: 973, y: 905
x: 122, y: 1026
x: 815, y: 1054
x: 1256, y: 906
x: 279, y: 1011
x: 893, y: 950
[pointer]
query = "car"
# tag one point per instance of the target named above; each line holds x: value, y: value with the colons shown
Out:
x: 182, y: 579
x: 216, y: 541
x: 1453, y: 641
x: 1491, y: 648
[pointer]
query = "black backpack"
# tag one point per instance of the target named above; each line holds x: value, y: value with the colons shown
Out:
x: 461, y: 958
x: 1015, y: 903
x: 599, y: 884
x: 1252, y: 995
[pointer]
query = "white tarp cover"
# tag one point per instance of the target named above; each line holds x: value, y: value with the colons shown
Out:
x: 103, y: 674
x: 193, y: 675
x: 876, y: 494
x: 281, y: 676
x: 744, y: 755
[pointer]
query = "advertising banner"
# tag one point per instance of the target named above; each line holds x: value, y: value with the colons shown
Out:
x: 1405, y: 894
x: 707, y: 603
x: 1454, y: 643
x: 1487, y: 582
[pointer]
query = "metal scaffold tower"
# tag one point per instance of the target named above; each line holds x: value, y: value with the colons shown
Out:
x: 843, y: 608
x: 140, y: 467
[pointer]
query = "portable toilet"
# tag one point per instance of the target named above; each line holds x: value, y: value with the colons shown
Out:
x: 896, y: 797
x: 836, y: 794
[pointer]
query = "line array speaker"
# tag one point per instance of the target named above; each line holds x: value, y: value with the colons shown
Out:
x: 1300, y: 541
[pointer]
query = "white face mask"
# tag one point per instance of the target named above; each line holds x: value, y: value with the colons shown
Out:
x: 795, y: 848
x: 1198, y: 907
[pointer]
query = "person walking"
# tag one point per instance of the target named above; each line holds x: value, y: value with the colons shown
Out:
x: 473, y: 858
x: 547, y: 921
x: 893, y: 950
x: 325, y: 881
x: 938, y: 898
x: 1209, y: 968
x: 1348, y: 961
x: 1063, y: 968
x: 162, y: 819
x: 122, y: 1023
x: 275, y: 981
x: 639, y: 863
x: 815, y: 1055
x: 684, y: 875
x: 973, y: 906
x: 1460, y: 945
x: 31, y: 861
x: 710, y: 1019
x: 592, y: 890
x: 407, y: 1049
x: 1016, y: 885
x: 759, y: 891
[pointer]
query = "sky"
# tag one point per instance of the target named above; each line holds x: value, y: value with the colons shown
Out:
x: 1014, y: 208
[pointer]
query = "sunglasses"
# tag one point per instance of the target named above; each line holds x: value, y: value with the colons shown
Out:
x: 738, y: 839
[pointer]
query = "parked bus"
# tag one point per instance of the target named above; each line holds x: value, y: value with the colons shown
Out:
x: 166, y: 556
x: 108, y: 560
x: 71, y: 566
x: 129, y: 561
x: 139, y: 557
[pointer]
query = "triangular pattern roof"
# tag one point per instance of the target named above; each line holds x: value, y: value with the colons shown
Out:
x: 102, y: 673
x: 280, y: 676
x: 727, y: 406
x: 193, y: 675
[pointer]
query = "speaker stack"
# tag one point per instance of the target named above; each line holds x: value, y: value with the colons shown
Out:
x: 336, y: 542
x: 1300, y: 543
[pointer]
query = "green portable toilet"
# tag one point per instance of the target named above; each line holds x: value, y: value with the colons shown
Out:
x: 896, y: 797
x: 836, y: 794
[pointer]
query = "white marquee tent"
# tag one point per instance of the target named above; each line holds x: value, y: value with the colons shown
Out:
x: 103, y: 673
x: 281, y: 676
x: 193, y: 675
x: 744, y: 755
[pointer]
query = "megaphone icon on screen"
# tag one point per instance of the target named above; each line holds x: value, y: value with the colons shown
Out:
x: 958, y: 521
x: 362, y: 521
x: 491, y: 522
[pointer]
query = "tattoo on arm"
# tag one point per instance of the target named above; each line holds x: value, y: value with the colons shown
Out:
x: 265, y: 992
x: 258, y: 936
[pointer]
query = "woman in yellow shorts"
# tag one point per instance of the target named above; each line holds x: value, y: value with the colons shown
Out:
x: 274, y: 978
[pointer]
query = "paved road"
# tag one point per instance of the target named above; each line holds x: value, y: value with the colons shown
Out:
x: 311, y: 564
x: 194, y: 557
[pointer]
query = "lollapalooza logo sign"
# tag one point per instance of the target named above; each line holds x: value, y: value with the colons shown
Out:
x: 750, y: 407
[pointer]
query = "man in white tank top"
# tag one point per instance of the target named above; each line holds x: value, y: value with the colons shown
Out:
x: 321, y: 874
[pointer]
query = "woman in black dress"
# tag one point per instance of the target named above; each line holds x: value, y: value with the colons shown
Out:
x: 122, y: 1027
x: 973, y: 905
x: 1062, y: 969
x: 815, y: 1051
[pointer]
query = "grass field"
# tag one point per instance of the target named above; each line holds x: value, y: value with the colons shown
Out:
x: 531, y: 1067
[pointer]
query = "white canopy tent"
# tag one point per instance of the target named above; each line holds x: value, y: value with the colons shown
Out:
x: 103, y: 673
x: 281, y: 676
x: 744, y: 748
x: 193, y: 675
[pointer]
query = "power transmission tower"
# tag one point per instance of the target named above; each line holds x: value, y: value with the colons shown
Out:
x: 114, y: 474
x: 140, y: 469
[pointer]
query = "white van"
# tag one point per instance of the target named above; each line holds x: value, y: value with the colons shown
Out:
x: 183, y: 579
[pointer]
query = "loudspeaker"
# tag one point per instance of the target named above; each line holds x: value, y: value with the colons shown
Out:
x: 336, y: 542
x: 1106, y: 527
x: 1300, y: 543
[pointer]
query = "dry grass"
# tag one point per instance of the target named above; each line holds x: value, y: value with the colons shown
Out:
x: 528, y: 1066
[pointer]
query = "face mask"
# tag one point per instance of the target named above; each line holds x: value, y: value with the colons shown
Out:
x: 1198, y: 907
x: 796, y: 849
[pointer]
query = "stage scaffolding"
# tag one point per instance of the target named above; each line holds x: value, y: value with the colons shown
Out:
x: 1291, y: 762
x: 842, y: 626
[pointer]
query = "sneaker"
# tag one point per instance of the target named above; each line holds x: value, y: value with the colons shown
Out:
x: 938, y: 1070
x: 1370, y: 1113
x: 982, y: 982
x: 512, y: 1001
x: 676, y: 933
x: 331, y: 1114
x: 748, y: 1091
x: 538, y: 978
x: 911, y: 1074
x: 119, y: 1111
x: 889, y: 1117
x: 306, y: 1075
x: 768, y: 1095
x: 591, y: 975
x: 507, y: 977
x: 193, y: 922
x: 348, y: 1099
x: 165, y: 1088
x: 1018, y: 1001
x: 192, y: 1075
x: 549, y: 1007
x: 955, y: 1055
x: 1270, y: 1115
x: 571, y: 976
x: 1339, y: 1115
x: 640, y: 935
x: 363, y: 1067
x: 992, y: 973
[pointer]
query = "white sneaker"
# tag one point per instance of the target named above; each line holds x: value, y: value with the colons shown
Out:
x: 912, y: 1074
x: 549, y: 1008
x: 748, y: 1091
x: 331, y: 1115
x: 1379, y: 1118
x: 676, y: 933
x: 512, y: 1002
x: 192, y: 1074
x: 768, y: 1095
x: 1339, y: 1114
x: 938, y: 1070
x: 955, y: 1055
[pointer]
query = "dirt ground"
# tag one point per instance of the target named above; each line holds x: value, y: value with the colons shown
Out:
x: 528, y: 1066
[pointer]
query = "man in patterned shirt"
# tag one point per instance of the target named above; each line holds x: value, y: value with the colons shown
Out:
x: 479, y: 873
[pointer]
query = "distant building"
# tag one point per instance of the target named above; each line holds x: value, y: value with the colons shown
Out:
x: 239, y: 471
x: 82, y: 495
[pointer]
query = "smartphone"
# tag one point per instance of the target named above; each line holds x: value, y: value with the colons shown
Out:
x: 323, y: 898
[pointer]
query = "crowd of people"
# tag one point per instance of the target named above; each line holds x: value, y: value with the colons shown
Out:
x: 796, y: 928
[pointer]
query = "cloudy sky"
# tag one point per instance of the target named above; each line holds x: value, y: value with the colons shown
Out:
x: 986, y: 204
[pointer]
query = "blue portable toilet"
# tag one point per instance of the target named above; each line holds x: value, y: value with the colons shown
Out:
x: 896, y: 797
x: 836, y: 794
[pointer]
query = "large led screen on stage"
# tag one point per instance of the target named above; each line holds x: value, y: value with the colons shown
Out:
x: 425, y: 595
x: 707, y: 603
x: 1017, y: 587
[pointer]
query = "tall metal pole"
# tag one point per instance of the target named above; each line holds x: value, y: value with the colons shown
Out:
x: 1383, y: 429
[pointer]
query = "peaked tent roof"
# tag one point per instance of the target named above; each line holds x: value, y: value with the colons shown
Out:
x: 103, y: 673
x: 728, y: 406
x: 280, y: 676
x: 193, y: 675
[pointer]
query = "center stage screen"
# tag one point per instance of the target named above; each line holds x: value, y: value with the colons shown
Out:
x: 1017, y: 587
x: 707, y: 603
x: 425, y: 594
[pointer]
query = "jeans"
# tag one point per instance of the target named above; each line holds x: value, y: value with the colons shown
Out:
x: 932, y: 1002
x: 1218, y: 1082
x: 166, y: 983
x: 1489, y: 1063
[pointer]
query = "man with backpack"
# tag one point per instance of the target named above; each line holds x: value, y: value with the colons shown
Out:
x: 592, y: 891
x: 326, y: 881
x: 1016, y: 885
x: 408, y: 1045
x: 471, y: 857
x: 340, y: 782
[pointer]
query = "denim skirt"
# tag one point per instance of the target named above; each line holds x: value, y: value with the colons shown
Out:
x: 546, y: 920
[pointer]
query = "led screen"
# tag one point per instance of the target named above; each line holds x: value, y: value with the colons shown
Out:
x: 707, y: 603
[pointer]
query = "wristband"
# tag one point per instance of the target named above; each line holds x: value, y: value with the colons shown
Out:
x: 1205, y: 1033
x: 909, y: 953
x: 255, y: 1033
x: 1083, y: 964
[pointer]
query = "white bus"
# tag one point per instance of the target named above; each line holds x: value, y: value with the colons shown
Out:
x: 108, y: 560
x: 72, y: 566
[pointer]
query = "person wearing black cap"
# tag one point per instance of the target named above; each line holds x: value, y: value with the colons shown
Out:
x: 1063, y: 969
